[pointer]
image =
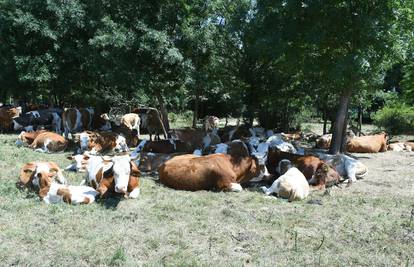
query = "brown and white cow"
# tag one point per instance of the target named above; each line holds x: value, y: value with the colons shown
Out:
x: 49, y: 142
x: 154, y: 124
x: 118, y: 174
x: 212, y: 172
x: 31, y: 170
x: 368, y: 144
x: 52, y: 192
x: 7, y: 114
x: 76, y: 120
x: 98, y: 142
x: 324, y: 141
x: 101, y: 122
x: 131, y: 121
x: 316, y: 171
x: 28, y: 137
x: 401, y: 146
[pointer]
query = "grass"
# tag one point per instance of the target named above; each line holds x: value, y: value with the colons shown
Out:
x: 368, y: 224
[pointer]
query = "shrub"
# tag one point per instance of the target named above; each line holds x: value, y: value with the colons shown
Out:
x: 395, y: 119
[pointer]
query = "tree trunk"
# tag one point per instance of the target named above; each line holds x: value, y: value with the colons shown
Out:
x: 360, y: 121
x: 163, y: 110
x: 195, y: 113
x: 325, y: 119
x: 339, y: 132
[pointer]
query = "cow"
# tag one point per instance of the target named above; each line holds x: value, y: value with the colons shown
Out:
x: 7, y: 114
x: 154, y: 124
x: 346, y: 166
x: 163, y: 146
x: 291, y: 185
x: 76, y: 120
x: 194, y: 138
x: 368, y: 144
x: 131, y: 136
x: 52, y: 192
x: 212, y: 172
x: 324, y: 141
x: 99, y: 142
x: 101, y: 122
x: 315, y: 170
x: 28, y: 137
x: 80, y: 162
x: 150, y: 162
x: 400, y: 146
x: 31, y: 170
x: 131, y: 121
x: 49, y: 118
x: 211, y: 123
x: 49, y: 142
x: 118, y: 174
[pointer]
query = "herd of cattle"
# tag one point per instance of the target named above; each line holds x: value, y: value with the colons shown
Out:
x: 210, y: 158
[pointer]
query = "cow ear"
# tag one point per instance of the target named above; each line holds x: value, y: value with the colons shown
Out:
x: 134, y: 169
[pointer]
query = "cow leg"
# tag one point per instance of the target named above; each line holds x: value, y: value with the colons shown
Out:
x: 135, y: 193
x: 224, y: 183
x: 272, y: 189
x: 102, y: 190
x: 150, y: 137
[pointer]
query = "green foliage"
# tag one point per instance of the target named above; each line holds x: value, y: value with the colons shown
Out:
x: 395, y: 119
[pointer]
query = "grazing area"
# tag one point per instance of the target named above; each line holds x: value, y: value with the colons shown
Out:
x: 369, y: 223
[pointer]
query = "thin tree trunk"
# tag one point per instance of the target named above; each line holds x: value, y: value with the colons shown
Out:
x: 164, y: 112
x: 344, y: 136
x: 325, y: 119
x: 195, y: 113
x: 340, y: 122
x: 360, y: 111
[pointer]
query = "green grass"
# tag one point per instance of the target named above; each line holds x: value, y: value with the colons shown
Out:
x: 368, y: 224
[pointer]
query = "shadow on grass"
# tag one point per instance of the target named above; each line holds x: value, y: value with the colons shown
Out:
x: 112, y: 201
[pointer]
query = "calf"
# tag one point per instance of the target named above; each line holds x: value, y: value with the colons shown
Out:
x: 292, y: 185
x: 52, y: 192
x: 49, y: 142
x: 368, y: 144
x: 98, y: 142
x: 31, y: 170
x: 324, y: 141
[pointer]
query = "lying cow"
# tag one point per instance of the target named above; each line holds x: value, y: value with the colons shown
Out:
x: 33, y: 170
x: 101, y: 122
x: 315, y: 170
x: 367, y: 144
x: 213, y: 172
x: 118, y: 174
x: 49, y: 142
x: 52, y: 192
x: 27, y: 137
x: 33, y: 119
x: 76, y: 120
x: 291, y: 185
x: 163, y: 146
x: 324, y: 141
x: 99, y: 142
x: 346, y: 166
x: 400, y: 146
x: 150, y: 162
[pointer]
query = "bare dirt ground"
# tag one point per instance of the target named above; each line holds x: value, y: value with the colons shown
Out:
x: 368, y: 224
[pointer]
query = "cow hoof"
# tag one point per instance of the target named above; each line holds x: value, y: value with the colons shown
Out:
x: 135, y: 193
x: 264, y: 189
x: 235, y: 187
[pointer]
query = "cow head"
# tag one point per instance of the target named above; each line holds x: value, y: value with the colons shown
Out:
x: 283, y: 166
x: 121, y: 144
x: 84, y: 140
x: 325, y: 175
x: 121, y: 169
x: 80, y: 162
x: 32, y: 172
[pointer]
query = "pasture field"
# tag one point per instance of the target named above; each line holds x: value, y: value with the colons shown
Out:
x: 368, y: 224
